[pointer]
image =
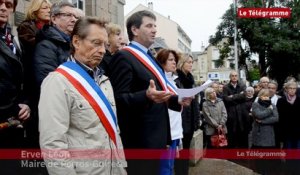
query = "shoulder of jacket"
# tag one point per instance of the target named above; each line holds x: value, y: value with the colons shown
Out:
x: 104, y: 79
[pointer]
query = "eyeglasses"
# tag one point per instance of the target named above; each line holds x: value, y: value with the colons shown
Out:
x: 8, y: 5
x: 69, y: 15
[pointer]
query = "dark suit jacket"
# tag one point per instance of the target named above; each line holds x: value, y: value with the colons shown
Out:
x: 143, y: 123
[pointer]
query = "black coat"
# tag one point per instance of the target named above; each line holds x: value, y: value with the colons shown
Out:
x: 105, y: 63
x: 288, y: 119
x: 190, y: 114
x: 238, y: 117
x: 143, y: 123
x: 51, y: 51
x: 11, y: 77
x: 27, y: 31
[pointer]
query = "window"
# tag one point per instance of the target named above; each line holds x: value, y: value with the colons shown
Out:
x: 79, y: 4
x: 215, y: 54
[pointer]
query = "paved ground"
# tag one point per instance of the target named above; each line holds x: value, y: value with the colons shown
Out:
x: 219, y: 167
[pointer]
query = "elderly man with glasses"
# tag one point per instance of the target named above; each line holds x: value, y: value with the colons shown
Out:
x: 53, y: 41
x: 78, y: 112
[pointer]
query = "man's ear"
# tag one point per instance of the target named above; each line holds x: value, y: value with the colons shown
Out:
x: 52, y: 20
x: 76, y: 41
x: 134, y: 30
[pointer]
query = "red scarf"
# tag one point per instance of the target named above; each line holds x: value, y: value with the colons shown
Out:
x: 39, y: 25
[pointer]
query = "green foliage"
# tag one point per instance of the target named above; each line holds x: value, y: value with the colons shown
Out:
x: 276, y: 41
x: 254, y: 74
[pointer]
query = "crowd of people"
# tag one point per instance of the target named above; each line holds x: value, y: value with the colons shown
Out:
x: 73, y: 84
x: 55, y: 94
x: 258, y: 117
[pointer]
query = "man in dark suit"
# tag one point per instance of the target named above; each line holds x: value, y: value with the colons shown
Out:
x: 14, y: 109
x: 141, y: 94
x: 238, y: 120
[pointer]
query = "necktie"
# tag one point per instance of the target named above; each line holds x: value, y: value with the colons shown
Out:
x: 150, y: 54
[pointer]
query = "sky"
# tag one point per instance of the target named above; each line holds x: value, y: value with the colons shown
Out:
x: 198, y: 18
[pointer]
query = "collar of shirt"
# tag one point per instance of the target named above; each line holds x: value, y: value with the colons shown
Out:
x: 94, y: 73
x: 140, y: 46
x: 233, y: 85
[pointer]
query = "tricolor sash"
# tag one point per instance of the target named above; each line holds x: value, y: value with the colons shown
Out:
x: 171, y: 87
x: 89, y: 89
x: 152, y: 66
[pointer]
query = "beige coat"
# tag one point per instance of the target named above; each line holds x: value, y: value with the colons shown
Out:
x: 215, y: 114
x: 67, y: 121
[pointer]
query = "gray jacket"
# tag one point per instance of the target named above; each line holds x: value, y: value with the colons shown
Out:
x: 67, y: 121
x: 263, y: 132
x: 215, y: 114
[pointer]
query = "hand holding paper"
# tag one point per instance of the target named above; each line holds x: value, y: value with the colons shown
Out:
x: 182, y: 93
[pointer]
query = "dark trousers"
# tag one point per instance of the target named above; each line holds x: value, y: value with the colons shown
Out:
x: 237, y: 139
x: 182, y: 164
x: 266, y: 166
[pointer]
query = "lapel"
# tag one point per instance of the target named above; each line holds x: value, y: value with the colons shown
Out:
x: 6, y: 50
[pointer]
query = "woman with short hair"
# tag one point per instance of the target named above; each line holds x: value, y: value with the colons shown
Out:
x: 115, y: 37
x: 168, y: 59
x: 265, y: 115
x: 289, y: 110
x: 215, y: 115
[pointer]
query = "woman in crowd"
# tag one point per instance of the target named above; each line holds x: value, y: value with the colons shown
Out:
x: 168, y: 59
x: 190, y: 114
x: 289, y: 110
x: 265, y: 115
x: 114, y: 44
x: 38, y: 14
x: 215, y: 115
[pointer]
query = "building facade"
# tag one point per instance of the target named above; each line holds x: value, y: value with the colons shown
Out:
x: 109, y: 10
x: 200, y: 66
x: 205, y: 66
x: 167, y: 29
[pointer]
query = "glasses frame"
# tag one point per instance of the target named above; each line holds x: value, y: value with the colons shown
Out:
x: 69, y: 15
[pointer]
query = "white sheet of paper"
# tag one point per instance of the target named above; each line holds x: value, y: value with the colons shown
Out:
x: 182, y: 93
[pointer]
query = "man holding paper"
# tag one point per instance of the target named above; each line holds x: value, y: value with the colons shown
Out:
x: 142, y: 94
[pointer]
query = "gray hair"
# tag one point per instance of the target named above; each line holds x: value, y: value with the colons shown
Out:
x: 289, y: 84
x: 249, y: 88
x: 274, y: 82
x: 264, y: 78
x: 56, y: 7
x: 207, y: 92
x: 82, y: 28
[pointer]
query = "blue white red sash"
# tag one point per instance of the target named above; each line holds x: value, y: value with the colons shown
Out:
x: 88, y: 88
x: 152, y: 66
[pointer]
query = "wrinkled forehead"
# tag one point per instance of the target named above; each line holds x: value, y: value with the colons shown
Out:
x: 4, y: 1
